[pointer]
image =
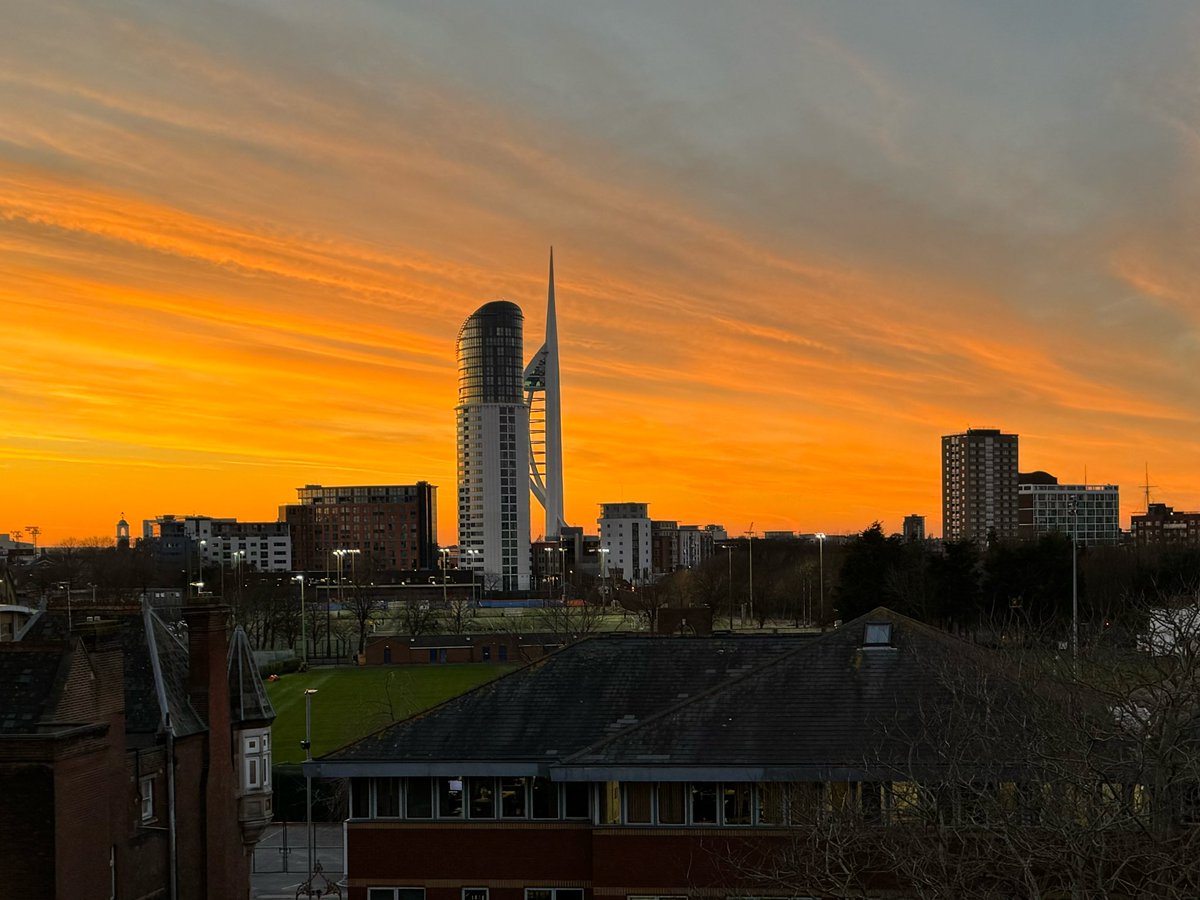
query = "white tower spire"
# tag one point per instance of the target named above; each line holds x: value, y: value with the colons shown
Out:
x: 541, y: 378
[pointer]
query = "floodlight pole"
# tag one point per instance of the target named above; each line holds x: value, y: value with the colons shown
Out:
x: 308, y: 827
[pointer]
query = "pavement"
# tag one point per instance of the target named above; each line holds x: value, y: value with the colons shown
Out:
x: 281, y: 858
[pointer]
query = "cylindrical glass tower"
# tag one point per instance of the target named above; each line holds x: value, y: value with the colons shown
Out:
x: 493, y: 442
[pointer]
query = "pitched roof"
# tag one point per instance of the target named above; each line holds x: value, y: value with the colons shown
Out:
x: 28, y: 678
x: 248, y: 700
x: 843, y: 705
x: 833, y: 709
x: 549, y: 710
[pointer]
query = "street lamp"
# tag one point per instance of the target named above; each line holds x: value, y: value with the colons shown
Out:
x: 238, y: 556
x: 729, y: 553
x: 306, y: 746
x: 546, y: 572
x: 445, y: 551
x: 1073, y: 509
x: 303, y: 630
x: 820, y: 536
x: 604, y: 551
x: 200, y: 563
x: 562, y: 572
x: 473, y: 553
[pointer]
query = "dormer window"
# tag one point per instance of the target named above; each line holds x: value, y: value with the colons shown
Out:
x: 877, y: 634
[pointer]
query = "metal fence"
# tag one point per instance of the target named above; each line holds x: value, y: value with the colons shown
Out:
x: 283, y: 849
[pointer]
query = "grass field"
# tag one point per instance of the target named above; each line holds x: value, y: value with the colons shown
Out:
x: 352, y: 702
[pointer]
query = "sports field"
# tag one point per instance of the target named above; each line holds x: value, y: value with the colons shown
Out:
x: 352, y: 702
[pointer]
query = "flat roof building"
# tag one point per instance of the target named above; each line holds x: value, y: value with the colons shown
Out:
x: 979, y: 485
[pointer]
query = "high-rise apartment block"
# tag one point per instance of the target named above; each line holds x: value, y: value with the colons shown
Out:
x: 979, y: 485
x: 390, y: 527
x: 626, y: 540
x: 493, y: 448
x: 1087, y: 512
x: 1162, y: 524
x: 914, y: 528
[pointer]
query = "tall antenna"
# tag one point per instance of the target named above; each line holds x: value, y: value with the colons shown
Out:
x: 1147, y: 487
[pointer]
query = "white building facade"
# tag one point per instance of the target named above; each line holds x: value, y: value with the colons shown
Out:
x: 493, y: 448
x: 1088, y: 512
x: 625, y: 539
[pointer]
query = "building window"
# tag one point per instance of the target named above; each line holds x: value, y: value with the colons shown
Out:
x: 387, y: 798
x: 544, y: 798
x: 395, y: 893
x: 480, y: 893
x: 450, y: 798
x: 577, y: 800
x: 256, y: 761
x: 512, y: 798
x: 704, y: 803
x: 419, y: 798
x: 483, y: 798
x: 553, y: 893
x: 146, y: 794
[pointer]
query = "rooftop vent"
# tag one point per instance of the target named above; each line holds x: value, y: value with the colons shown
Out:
x: 877, y: 634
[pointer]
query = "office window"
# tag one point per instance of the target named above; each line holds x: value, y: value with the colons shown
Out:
x: 671, y: 802
x: 475, y: 893
x: 483, y: 798
x: 553, y: 893
x: 544, y: 798
x: 419, y: 798
x: 704, y: 803
x: 450, y: 797
x: 387, y: 798
x: 639, y: 804
x: 512, y: 798
x: 360, y: 798
x: 738, y: 803
x: 577, y: 800
x: 395, y: 893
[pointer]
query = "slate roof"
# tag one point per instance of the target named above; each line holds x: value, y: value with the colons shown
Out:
x: 547, y: 711
x: 248, y: 700
x: 787, y: 708
x: 144, y: 637
x: 834, y: 709
x: 28, y: 677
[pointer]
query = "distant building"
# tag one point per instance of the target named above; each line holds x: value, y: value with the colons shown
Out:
x: 625, y: 537
x: 493, y: 447
x: 979, y: 485
x: 717, y: 532
x: 914, y: 528
x: 192, y: 540
x: 664, y: 547
x: 1162, y: 524
x: 392, y: 526
x: 135, y: 761
x: 694, y: 546
x: 779, y: 535
x: 1088, y: 512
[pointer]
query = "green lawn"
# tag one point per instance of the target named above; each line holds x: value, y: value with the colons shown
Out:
x: 352, y: 702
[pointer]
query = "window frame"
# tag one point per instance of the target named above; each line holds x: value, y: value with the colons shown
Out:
x: 146, y: 797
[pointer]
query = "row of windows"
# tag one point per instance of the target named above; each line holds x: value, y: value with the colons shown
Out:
x: 481, y: 893
x: 473, y: 798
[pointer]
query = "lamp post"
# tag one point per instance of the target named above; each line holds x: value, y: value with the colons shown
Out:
x: 303, y: 629
x: 445, y: 551
x: 820, y: 536
x: 200, y: 562
x: 604, y: 551
x: 729, y: 553
x: 1073, y: 509
x: 751, y: 577
x: 472, y: 553
x: 306, y: 745
x: 562, y: 572
x: 546, y: 572
x: 238, y: 556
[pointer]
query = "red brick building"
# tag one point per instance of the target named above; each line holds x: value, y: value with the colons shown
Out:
x: 391, y: 528
x: 1164, y: 525
x: 133, y: 755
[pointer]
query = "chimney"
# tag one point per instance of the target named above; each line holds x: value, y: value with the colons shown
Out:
x: 208, y: 647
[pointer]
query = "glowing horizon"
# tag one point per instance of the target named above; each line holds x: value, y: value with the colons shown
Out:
x: 793, y: 249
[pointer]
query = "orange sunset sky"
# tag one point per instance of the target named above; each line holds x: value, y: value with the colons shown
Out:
x: 795, y: 244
